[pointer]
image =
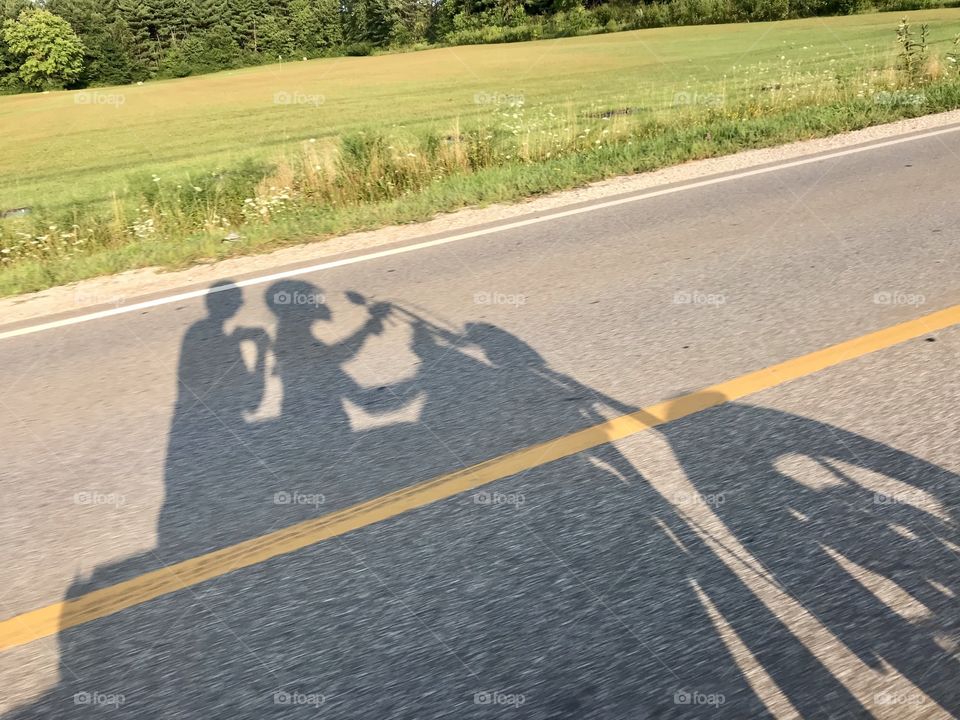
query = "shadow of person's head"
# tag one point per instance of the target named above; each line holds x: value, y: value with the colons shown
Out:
x: 224, y: 299
x: 297, y: 302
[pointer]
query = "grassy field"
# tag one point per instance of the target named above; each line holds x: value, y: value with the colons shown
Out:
x: 554, y: 113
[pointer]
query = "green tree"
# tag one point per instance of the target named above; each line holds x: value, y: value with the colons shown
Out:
x: 244, y: 18
x: 331, y: 24
x: 355, y: 25
x: 9, y: 80
x: 220, y: 49
x: 275, y: 38
x: 49, y: 52
x: 108, y: 45
x: 136, y: 18
x: 441, y: 20
x: 378, y: 22
x: 126, y: 58
x: 304, y: 26
x: 207, y: 13
x: 203, y: 51
x: 11, y: 9
x: 411, y: 21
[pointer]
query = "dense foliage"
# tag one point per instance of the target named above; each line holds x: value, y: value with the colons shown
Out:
x: 78, y: 43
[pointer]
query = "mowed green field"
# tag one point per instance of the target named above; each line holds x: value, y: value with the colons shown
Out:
x: 62, y: 148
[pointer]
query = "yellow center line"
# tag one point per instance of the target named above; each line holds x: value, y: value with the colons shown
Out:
x: 48, y: 620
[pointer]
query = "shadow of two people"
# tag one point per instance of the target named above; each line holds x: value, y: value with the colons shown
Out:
x: 221, y: 471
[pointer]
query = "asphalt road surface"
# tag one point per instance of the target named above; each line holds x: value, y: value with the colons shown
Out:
x: 787, y: 550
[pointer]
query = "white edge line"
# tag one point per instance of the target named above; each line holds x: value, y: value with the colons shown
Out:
x: 179, y: 297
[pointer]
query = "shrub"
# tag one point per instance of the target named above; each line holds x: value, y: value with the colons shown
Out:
x: 745, y: 10
x: 358, y: 49
x: 486, y: 35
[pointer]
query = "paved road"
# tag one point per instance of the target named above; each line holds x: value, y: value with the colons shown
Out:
x: 791, y: 553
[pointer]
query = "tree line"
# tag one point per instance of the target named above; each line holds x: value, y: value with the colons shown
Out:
x: 53, y: 44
